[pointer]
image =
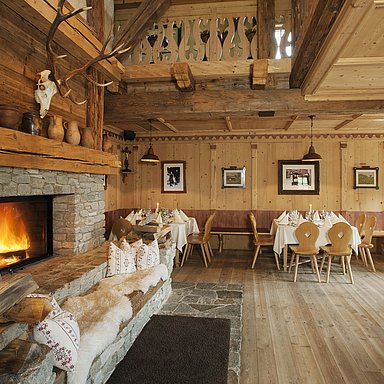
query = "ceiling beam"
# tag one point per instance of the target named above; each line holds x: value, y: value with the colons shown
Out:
x: 259, y: 74
x: 183, y: 76
x: 347, y: 121
x: 321, y: 23
x: 168, y: 125
x: 290, y: 122
x: 134, y: 30
x: 208, y: 103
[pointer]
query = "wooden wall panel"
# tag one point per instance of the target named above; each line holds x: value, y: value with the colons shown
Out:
x: 204, y: 184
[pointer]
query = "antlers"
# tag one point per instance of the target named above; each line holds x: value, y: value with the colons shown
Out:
x: 62, y: 84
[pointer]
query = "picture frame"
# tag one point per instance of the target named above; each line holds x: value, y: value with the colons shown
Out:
x: 296, y: 177
x: 233, y: 177
x: 366, y: 177
x: 173, y: 176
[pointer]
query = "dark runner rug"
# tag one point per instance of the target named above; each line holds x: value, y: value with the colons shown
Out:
x: 177, y: 350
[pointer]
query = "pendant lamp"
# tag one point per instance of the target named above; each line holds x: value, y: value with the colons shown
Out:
x: 311, y: 155
x: 149, y: 156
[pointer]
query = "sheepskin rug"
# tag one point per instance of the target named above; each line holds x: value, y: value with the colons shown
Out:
x: 101, y: 312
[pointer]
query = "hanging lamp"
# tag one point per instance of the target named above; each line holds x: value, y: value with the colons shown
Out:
x: 149, y: 156
x: 311, y: 155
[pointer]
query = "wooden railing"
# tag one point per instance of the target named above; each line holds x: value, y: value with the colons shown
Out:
x: 224, y: 38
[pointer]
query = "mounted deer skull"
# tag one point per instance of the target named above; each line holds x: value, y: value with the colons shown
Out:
x: 49, y: 82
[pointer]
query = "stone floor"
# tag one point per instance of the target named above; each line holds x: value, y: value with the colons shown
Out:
x: 212, y: 300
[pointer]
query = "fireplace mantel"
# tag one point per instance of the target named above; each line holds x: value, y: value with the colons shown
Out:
x: 22, y: 150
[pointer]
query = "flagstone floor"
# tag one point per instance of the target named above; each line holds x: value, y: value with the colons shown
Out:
x: 211, y: 300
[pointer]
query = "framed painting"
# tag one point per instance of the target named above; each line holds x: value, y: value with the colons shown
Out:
x: 233, y: 177
x: 366, y: 177
x: 173, y: 177
x: 298, y: 177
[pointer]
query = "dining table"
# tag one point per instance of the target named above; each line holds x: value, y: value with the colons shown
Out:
x: 285, y: 236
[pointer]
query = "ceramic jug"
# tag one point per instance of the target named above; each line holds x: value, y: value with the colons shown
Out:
x: 56, y: 129
x: 72, y: 133
x: 87, y: 138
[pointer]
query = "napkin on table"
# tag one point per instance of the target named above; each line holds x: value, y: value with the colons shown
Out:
x: 301, y: 219
x: 333, y: 217
x: 130, y: 216
x: 177, y: 218
x: 284, y: 220
x: 159, y: 219
x: 281, y: 216
x: 183, y: 215
x: 327, y: 222
x: 316, y: 217
x: 133, y: 219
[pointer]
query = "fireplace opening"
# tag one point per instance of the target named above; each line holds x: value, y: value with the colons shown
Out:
x: 25, y: 231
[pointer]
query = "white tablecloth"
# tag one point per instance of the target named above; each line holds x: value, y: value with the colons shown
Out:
x: 180, y: 232
x: 285, y: 235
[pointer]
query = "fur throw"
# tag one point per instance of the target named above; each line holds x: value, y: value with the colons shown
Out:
x: 101, y: 312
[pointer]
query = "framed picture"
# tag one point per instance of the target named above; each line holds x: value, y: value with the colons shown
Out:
x: 366, y: 177
x: 298, y: 177
x: 233, y: 177
x: 173, y: 177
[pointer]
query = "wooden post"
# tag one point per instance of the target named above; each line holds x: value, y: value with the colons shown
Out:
x: 266, y: 29
x: 254, y: 176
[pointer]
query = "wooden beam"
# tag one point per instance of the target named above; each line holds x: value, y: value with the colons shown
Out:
x: 146, y: 14
x: 265, y: 29
x: 321, y: 23
x: 228, y: 123
x: 205, y: 70
x: 347, y: 121
x: 208, y: 103
x: 259, y: 74
x: 290, y: 122
x: 28, y: 151
x: 168, y: 125
x: 183, y: 76
x: 74, y: 35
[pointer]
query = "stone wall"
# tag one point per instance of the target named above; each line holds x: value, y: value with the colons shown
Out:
x: 78, y: 204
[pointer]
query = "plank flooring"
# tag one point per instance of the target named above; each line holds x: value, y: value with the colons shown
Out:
x: 303, y: 332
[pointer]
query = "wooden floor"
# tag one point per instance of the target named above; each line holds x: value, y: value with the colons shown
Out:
x: 303, y: 332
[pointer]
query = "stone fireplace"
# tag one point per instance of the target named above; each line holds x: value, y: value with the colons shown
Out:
x: 77, y: 204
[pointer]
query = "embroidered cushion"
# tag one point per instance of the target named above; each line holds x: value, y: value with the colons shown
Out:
x: 60, y: 332
x: 148, y: 256
x: 121, y: 259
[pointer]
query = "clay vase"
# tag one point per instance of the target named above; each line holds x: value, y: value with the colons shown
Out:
x: 31, y: 123
x: 87, y: 138
x: 56, y: 129
x: 9, y: 117
x: 107, y: 144
x: 72, y: 133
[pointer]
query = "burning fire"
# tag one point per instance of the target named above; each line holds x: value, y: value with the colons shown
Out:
x: 13, y: 234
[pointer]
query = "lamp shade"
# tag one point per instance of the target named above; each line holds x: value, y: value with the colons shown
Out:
x: 311, y: 155
x: 150, y: 156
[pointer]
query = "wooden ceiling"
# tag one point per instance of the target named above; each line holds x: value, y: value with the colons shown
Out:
x: 343, y: 87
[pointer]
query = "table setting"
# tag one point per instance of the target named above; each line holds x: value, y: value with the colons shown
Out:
x: 284, y: 227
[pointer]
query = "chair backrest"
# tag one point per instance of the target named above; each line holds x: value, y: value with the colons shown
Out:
x: 369, y: 227
x: 340, y: 236
x: 360, y: 222
x: 252, y: 218
x: 121, y: 227
x: 306, y: 235
x: 208, y: 227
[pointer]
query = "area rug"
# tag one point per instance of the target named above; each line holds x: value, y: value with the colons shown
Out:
x: 175, y: 350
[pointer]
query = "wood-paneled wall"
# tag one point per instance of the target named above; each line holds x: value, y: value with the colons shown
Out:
x: 205, y: 159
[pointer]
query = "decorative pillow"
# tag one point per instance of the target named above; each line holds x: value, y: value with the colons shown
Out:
x: 60, y: 332
x: 148, y: 256
x: 120, y: 259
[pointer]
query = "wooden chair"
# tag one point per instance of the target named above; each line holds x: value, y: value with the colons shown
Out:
x: 121, y: 228
x: 359, y: 224
x: 366, y: 243
x: 306, y: 233
x: 340, y: 236
x: 201, y: 239
x: 260, y: 240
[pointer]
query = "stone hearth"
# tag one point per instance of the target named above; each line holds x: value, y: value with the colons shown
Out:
x: 78, y: 204
x: 212, y: 300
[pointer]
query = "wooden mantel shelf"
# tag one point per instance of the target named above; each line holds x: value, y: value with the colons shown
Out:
x: 22, y: 150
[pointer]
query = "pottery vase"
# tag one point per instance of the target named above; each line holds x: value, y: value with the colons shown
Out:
x: 87, y: 138
x: 107, y: 144
x: 56, y: 128
x: 72, y: 133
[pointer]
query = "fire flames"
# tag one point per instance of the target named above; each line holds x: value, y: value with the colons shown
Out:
x: 13, y: 233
